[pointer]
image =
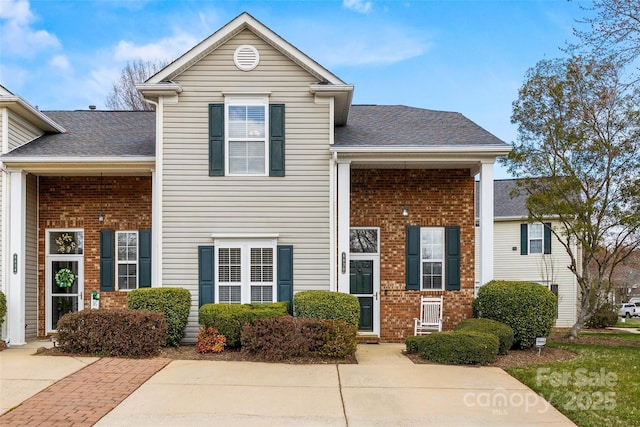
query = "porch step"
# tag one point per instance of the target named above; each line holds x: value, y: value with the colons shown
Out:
x: 368, y: 339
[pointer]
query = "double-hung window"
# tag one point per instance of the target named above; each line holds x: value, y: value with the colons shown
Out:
x: 535, y: 238
x: 245, y: 272
x: 126, y: 260
x: 246, y: 137
x: 432, y: 257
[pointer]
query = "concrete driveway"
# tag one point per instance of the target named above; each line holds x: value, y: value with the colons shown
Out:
x: 383, y: 389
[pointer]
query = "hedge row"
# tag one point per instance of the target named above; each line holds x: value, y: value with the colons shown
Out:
x: 462, y: 347
x: 283, y: 338
x: 503, y: 332
x: 112, y: 332
x: 229, y: 319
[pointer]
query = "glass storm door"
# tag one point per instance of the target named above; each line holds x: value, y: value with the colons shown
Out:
x: 364, y: 271
x: 64, y: 274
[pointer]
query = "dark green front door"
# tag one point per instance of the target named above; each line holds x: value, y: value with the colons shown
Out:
x: 361, y: 285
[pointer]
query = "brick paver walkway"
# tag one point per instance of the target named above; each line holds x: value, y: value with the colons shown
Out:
x: 84, y: 397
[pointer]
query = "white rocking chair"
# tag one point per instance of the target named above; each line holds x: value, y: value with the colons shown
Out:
x: 430, y: 316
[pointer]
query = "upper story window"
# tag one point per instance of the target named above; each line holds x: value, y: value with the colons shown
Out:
x: 535, y: 238
x: 126, y: 260
x: 246, y: 137
x: 432, y: 257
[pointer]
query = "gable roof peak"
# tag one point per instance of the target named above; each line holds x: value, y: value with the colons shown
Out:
x: 242, y: 22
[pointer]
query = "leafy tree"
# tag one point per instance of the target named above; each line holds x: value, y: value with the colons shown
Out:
x: 578, y: 151
x: 124, y: 95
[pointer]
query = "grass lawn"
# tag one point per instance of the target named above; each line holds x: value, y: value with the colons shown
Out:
x: 633, y: 322
x: 598, y: 388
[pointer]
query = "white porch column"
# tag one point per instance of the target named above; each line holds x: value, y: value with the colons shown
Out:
x: 156, y: 231
x: 344, y: 222
x: 16, y: 258
x: 486, y: 223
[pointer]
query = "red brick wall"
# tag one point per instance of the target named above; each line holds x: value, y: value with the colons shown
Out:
x: 436, y: 198
x: 75, y: 202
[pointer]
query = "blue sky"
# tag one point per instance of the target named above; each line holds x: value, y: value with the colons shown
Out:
x: 468, y: 56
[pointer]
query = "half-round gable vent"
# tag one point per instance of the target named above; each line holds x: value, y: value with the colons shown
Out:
x: 246, y: 57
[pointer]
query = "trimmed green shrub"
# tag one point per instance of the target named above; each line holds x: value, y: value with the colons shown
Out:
x: 459, y: 347
x: 327, y: 305
x: 284, y: 338
x: 502, y: 331
x: 113, y: 332
x: 3, y: 307
x: 604, y: 317
x: 340, y: 339
x: 528, y: 307
x: 175, y: 303
x: 228, y: 319
x: 413, y: 343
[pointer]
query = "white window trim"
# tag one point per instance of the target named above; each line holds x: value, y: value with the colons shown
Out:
x: 529, y: 239
x: 246, y: 101
x: 441, y: 260
x: 245, y: 245
x: 118, y: 262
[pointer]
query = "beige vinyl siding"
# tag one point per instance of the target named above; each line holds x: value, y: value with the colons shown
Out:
x: 31, y: 259
x: 508, y: 264
x: 21, y: 131
x: 195, y: 206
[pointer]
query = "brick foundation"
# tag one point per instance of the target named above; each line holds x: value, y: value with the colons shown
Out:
x: 436, y: 198
x: 75, y: 202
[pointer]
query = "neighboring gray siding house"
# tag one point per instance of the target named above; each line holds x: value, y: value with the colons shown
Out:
x: 249, y: 183
x: 529, y: 251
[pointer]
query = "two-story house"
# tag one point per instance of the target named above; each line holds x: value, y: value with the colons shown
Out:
x: 530, y: 251
x: 254, y: 178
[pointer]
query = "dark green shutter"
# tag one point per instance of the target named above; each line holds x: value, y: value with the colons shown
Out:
x: 547, y: 237
x: 216, y: 139
x: 206, y: 275
x: 524, y: 239
x: 276, y: 140
x: 144, y: 259
x: 452, y: 249
x: 412, y: 262
x: 107, y: 261
x: 285, y: 274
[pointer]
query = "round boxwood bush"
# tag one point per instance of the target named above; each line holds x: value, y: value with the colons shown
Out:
x: 3, y: 307
x: 503, y: 332
x: 175, y: 303
x: 459, y: 347
x: 327, y: 305
x: 528, y: 307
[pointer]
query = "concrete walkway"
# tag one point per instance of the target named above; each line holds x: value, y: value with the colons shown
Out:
x: 383, y: 389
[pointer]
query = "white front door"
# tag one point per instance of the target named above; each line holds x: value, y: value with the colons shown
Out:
x: 64, y: 274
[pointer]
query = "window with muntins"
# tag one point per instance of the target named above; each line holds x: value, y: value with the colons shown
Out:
x: 246, y: 137
x: 536, y: 233
x: 432, y: 257
x: 245, y: 273
x: 126, y: 260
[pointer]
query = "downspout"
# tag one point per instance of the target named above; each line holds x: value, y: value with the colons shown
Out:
x: 333, y: 163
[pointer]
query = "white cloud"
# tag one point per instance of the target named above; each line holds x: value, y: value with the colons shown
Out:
x: 364, y: 46
x: 61, y: 62
x: 17, y: 34
x: 359, y: 6
x: 164, y: 49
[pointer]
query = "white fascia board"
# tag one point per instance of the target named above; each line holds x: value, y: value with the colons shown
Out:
x: 242, y: 22
x: 469, y: 150
x: 156, y: 90
x: 523, y: 218
x: 78, y: 165
x: 343, y: 95
x: 26, y: 110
